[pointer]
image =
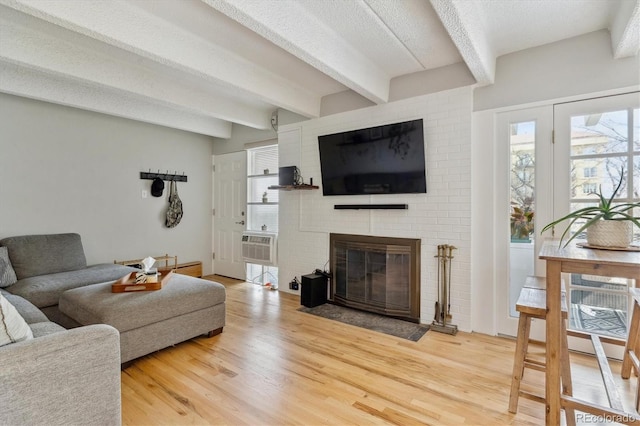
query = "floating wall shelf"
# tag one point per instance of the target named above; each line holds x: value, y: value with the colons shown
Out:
x: 303, y: 186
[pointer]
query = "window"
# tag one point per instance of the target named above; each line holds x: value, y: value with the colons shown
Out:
x: 590, y: 172
x: 589, y: 188
x: 262, y: 205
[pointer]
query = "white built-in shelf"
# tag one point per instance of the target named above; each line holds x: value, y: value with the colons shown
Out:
x: 258, y: 203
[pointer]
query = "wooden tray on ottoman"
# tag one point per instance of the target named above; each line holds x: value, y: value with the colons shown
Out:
x: 128, y: 284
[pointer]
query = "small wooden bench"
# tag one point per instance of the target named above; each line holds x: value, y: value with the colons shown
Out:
x: 532, y: 303
x: 193, y: 269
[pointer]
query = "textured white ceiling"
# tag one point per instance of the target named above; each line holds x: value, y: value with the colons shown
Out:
x: 516, y: 25
x: 201, y: 65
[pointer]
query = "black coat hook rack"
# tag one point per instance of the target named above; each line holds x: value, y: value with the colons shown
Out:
x: 164, y: 176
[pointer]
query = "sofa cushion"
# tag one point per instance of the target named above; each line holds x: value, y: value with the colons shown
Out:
x: 13, y: 328
x: 45, y: 290
x: 7, y: 274
x: 33, y: 255
x: 40, y: 329
x: 26, y: 309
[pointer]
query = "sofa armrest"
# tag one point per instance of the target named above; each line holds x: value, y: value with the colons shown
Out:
x: 66, y: 378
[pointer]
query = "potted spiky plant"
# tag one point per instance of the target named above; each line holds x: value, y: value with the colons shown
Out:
x: 522, y: 224
x: 606, y: 225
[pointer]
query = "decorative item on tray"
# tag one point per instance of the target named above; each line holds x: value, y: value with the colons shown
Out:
x: 128, y: 284
x: 144, y: 280
x: 148, y: 273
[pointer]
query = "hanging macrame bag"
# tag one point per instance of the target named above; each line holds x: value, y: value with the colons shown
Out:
x: 174, y: 212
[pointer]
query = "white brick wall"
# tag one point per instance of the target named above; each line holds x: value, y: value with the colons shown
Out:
x: 442, y: 216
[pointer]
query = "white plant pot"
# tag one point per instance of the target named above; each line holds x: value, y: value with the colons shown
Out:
x: 610, y: 233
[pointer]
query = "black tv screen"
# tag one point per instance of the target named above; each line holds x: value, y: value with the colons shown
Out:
x: 385, y: 159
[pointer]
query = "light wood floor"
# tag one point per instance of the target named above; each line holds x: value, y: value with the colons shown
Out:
x: 273, y: 365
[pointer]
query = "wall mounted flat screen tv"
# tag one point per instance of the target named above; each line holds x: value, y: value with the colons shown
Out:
x: 385, y: 159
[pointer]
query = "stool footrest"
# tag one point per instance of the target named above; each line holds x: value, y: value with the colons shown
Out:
x: 609, y: 385
x: 534, y: 365
x: 532, y: 397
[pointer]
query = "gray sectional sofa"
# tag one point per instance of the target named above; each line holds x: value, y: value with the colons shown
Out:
x: 69, y: 373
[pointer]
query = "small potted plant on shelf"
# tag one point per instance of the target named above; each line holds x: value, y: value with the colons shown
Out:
x: 522, y: 223
x: 606, y: 225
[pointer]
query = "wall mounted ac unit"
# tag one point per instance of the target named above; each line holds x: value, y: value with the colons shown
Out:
x: 259, y: 248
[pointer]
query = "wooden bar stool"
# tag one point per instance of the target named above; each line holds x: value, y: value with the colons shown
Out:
x: 538, y: 282
x: 532, y: 303
x: 632, y: 348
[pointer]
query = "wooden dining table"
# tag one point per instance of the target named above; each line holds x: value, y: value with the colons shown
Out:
x: 579, y: 260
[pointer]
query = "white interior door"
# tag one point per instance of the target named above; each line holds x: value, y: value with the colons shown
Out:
x: 230, y: 206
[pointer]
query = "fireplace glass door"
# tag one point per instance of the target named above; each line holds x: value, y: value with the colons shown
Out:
x: 377, y: 277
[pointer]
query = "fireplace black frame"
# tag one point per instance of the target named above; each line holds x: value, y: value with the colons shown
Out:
x: 413, y: 313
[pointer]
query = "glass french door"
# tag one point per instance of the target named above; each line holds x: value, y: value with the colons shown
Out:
x: 596, y: 142
x: 523, y: 202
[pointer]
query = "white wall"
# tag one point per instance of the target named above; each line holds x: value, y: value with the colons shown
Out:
x: 67, y: 170
x: 241, y: 136
x: 442, y: 216
x: 570, y: 67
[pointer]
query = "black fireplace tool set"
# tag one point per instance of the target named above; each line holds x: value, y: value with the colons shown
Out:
x: 443, y: 304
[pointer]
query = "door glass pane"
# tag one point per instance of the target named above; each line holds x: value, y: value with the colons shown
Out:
x: 599, y: 305
x: 522, y: 207
x: 602, y: 145
x: 589, y: 174
x: 599, y: 133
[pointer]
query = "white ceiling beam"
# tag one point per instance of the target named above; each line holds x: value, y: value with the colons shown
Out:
x: 288, y: 25
x: 21, y: 43
x: 461, y: 19
x: 30, y: 83
x: 625, y: 29
x: 127, y: 27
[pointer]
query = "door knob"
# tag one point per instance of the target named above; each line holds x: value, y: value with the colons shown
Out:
x: 241, y: 222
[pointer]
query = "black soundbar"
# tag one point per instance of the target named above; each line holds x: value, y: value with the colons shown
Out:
x: 371, y: 206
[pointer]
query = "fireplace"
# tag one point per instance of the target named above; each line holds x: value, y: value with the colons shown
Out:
x: 376, y: 274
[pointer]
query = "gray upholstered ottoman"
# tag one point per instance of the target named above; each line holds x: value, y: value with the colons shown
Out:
x: 184, y: 308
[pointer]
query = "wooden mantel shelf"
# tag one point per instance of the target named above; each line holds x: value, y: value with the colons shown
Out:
x: 303, y: 186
